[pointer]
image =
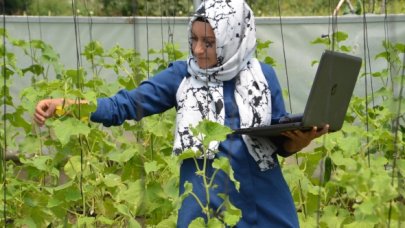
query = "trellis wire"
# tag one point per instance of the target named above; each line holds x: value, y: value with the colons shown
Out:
x: 366, y: 53
x: 4, y: 149
x: 79, y: 86
x: 396, y: 123
x: 289, y: 98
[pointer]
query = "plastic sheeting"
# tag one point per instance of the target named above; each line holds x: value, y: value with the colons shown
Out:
x: 150, y: 32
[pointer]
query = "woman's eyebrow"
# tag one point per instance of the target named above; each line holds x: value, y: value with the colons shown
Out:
x: 206, y: 37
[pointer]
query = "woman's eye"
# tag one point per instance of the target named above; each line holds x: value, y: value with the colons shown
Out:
x: 209, y: 43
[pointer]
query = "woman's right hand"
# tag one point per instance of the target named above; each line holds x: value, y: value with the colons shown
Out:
x: 45, y: 109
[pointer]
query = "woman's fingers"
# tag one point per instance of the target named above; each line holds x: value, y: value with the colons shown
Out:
x: 44, y: 110
x: 297, y: 140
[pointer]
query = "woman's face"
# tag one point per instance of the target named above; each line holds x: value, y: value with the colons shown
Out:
x: 203, y: 44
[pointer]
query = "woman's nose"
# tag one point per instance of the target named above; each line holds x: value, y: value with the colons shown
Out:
x: 199, y: 48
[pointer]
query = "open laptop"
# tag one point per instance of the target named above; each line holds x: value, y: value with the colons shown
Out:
x: 328, y: 99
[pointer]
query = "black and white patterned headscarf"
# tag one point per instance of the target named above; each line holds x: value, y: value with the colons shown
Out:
x: 201, y: 95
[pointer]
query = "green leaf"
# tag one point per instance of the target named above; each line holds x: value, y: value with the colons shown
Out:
x: 133, y: 194
x: 27, y: 221
x: 270, y: 61
x: 133, y: 223
x: 112, y: 180
x: 366, y: 208
x: 63, y: 186
x: 348, y: 145
x: 168, y: 223
x: 85, y: 221
x: 232, y: 214
x: 48, y: 54
x: 122, y: 157
x: 197, y: 223
x: 92, y: 49
x: 42, y: 163
x: 223, y: 164
x: 263, y: 44
x: 400, y: 47
x: 360, y: 223
x: 17, y: 119
x: 73, y: 167
x: 104, y: 220
x: 171, y: 188
x: 54, y: 202
x: 211, y: 131
x: 345, y: 48
x: 151, y: 167
x: 18, y: 43
x: 341, y: 36
x: 91, y: 97
x: 215, y: 223
x: 324, y: 41
x: 188, y: 154
x: 158, y: 126
x: 383, y: 55
x: 68, y: 128
x: 72, y: 194
x: 377, y: 75
x: 333, y: 216
x: 76, y: 76
x: 339, y: 160
x: 35, y: 69
x: 123, y: 209
x: 401, y: 166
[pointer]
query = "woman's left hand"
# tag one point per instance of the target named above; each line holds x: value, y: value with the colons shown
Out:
x: 297, y: 140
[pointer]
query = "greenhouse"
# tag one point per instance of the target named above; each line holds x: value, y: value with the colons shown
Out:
x: 125, y: 113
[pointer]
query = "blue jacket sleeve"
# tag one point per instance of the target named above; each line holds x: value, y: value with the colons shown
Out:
x: 152, y: 96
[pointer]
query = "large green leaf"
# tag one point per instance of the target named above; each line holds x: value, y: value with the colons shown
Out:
x: 133, y: 195
x: 43, y: 163
x: 65, y: 129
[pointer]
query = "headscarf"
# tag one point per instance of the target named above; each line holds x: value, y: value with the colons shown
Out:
x: 201, y: 95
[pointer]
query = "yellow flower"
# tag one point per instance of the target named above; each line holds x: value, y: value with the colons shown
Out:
x: 85, y: 119
x: 59, y: 111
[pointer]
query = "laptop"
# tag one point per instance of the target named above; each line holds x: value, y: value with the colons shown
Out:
x: 328, y: 99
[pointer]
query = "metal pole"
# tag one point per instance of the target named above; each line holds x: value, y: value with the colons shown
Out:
x: 196, y: 3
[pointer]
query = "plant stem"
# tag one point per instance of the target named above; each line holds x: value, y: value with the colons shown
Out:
x: 206, y: 185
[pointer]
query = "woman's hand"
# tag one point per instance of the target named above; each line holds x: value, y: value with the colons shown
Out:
x: 45, y: 109
x: 297, y: 140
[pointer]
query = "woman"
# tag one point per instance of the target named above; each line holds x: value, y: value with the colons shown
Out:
x: 223, y: 82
